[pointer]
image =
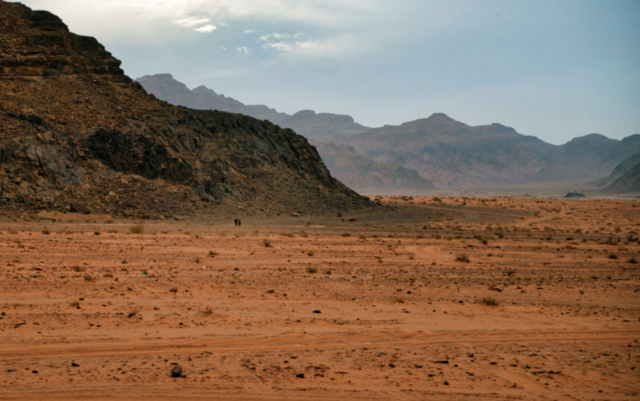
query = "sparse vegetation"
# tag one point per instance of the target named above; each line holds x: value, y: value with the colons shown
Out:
x: 462, y: 258
x: 489, y: 301
x: 133, y: 313
x: 137, y: 228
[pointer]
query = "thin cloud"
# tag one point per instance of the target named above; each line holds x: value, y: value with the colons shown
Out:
x: 206, y: 28
x: 192, y: 21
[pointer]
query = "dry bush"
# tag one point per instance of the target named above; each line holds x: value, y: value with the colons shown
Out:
x: 463, y: 258
x: 213, y: 253
x: 266, y: 243
x: 312, y: 270
x: 207, y: 311
x: 489, y: 301
x: 137, y: 228
x: 133, y: 313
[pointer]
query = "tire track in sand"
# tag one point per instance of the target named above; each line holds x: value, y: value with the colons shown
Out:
x: 330, y: 342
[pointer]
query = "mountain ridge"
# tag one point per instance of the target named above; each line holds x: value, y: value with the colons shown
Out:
x: 455, y: 155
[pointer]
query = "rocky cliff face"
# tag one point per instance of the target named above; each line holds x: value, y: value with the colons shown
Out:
x: 75, y: 129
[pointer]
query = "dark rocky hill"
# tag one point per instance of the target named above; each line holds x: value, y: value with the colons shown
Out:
x: 367, y: 175
x: 75, y: 129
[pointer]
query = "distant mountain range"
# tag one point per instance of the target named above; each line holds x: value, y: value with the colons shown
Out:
x: 421, y: 155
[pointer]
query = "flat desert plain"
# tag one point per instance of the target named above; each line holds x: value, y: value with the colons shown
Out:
x: 440, y: 299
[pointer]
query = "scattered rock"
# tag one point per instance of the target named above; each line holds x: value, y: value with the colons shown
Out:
x: 176, y: 371
x: 79, y: 208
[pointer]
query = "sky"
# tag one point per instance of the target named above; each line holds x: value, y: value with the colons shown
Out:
x: 555, y: 69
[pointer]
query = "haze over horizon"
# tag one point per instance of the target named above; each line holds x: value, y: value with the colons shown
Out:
x: 555, y: 70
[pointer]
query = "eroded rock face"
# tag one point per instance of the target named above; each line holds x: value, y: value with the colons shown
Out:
x: 75, y: 129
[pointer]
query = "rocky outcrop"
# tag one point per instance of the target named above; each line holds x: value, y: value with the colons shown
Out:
x: 75, y: 130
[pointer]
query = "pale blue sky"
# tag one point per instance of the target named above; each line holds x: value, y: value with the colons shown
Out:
x: 555, y: 69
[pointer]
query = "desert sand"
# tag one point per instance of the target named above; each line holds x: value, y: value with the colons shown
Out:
x: 451, y: 298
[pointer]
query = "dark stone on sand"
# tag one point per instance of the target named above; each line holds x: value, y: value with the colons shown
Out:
x: 79, y: 208
x: 176, y: 371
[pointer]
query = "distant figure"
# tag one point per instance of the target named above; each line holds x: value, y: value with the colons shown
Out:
x: 236, y: 222
x: 239, y: 222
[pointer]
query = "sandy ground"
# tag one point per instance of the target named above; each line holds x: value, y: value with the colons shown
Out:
x: 456, y: 298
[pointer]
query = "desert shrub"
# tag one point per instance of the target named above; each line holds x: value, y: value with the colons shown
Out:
x: 207, y: 311
x: 133, y: 313
x: 489, y: 301
x: 612, y: 256
x: 266, y: 243
x: 463, y: 258
x: 312, y: 270
x: 632, y: 260
x: 339, y: 214
x: 96, y: 232
x: 303, y: 234
x: 353, y: 218
x: 310, y: 253
x: 213, y: 253
x: 345, y: 234
x: 46, y: 232
x: 137, y: 228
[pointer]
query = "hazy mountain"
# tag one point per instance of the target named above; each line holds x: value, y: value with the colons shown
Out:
x: 624, y: 166
x: 75, y: 129
x: 456, y: 155
x: 627, y: 182
x: 324, y: 127
x: 366, y: 175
